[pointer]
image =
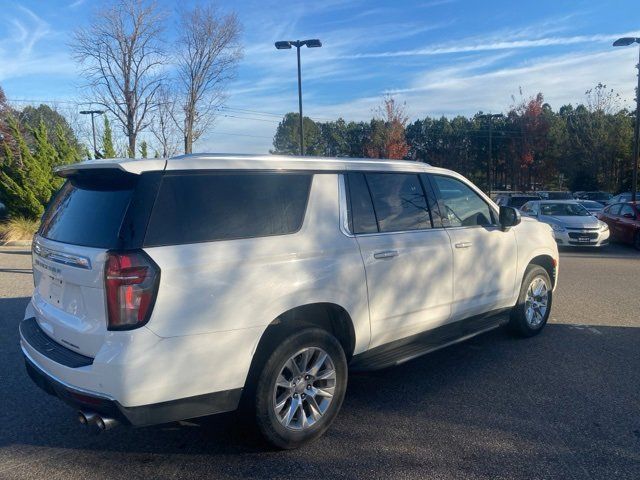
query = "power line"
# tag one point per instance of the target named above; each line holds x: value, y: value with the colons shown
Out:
x: 250, y: 118
x: 223, y: 107
x: 239, y: 135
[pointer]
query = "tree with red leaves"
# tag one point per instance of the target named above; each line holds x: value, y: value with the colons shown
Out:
x: 388, y: 131
x: 533, y: 125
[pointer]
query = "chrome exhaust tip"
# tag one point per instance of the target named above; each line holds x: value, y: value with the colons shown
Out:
x: 105, y: 423
x: 86, y: 418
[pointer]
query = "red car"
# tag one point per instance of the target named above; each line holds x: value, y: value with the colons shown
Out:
x: 624, y: 222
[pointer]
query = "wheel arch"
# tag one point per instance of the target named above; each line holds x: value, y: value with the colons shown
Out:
x: 325, y: 315
x: 548, y: 263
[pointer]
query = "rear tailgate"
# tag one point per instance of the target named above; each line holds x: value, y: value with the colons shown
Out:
x: 83, y: 222
x: 69, y: 295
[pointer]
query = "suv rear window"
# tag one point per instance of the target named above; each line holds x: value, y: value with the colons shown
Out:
x: 88, y: 210
x: 204, y: 207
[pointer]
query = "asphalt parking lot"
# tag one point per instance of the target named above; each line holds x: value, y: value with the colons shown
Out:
x: 565, y: 404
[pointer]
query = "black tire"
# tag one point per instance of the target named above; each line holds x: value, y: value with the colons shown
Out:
x: 518, y: 323
x: 268, y: 423
x: 636, y: 240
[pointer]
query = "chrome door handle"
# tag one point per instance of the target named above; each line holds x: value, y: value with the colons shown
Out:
x: 386, y: 254
x: 463, y: 244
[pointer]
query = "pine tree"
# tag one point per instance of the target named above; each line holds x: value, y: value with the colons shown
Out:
x: 143, y: 149
x: 108, y: 150
x: 37, y: 169
x: 46, y: 157
x: 23, y: 183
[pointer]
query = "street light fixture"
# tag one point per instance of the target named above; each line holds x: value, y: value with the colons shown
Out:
x: 96, y: 154
x: 490, y: 116
x: 625, y: 42
x: 286, y: 45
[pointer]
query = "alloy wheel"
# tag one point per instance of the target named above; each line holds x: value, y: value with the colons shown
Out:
x: 304, y: 388
x: 536, y: 302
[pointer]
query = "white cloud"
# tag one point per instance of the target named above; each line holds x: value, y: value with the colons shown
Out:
x: 464, y: 46
x: 19, y: 56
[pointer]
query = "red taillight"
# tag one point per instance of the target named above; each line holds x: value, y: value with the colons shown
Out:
x: 131, y: 281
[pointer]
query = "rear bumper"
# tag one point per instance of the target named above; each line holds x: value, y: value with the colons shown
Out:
x: 137, y: 368
x: 181, y: 409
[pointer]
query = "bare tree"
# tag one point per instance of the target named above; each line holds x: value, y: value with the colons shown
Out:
x: 163, y: 126
x: 208, y: 52
x: 122, y: 57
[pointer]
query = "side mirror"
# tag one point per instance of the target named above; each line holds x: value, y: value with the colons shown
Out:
x: 509, y: 217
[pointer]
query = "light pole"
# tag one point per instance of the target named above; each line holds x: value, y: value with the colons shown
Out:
x: 490, y: 116
x: 96, y: 154
x: 285, y: 45
x: 625, y: 42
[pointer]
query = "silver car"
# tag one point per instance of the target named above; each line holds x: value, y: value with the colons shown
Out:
x: 592, y: 206
x: 572, y: 224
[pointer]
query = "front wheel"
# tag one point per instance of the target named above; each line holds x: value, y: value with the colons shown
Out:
x: 301, y: 388
x: 532, y: 311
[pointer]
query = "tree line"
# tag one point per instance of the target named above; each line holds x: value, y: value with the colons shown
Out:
x: 533, y: 146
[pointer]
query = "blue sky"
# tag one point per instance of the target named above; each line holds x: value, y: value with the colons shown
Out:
x: 442, y: 57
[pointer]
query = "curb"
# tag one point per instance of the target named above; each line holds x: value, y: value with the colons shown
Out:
x: 17, y: 243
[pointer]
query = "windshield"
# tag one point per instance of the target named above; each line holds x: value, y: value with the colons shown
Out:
x: 590, y: 204
x: 563, y: 210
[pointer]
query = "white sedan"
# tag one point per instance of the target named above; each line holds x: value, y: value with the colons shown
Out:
x: 572, y: 224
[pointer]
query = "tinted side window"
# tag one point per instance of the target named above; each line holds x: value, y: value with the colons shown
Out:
x: 615, y: 209
x: 461, y: 206
x: 432, y: 201
x: 399, y: 201
x: 362, y: 218
x: 193, y: 208
x: 626, y: 209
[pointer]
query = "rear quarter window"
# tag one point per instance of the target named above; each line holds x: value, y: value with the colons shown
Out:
x: 204, y: 207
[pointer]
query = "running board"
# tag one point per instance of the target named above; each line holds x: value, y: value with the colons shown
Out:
x: 406, y: 349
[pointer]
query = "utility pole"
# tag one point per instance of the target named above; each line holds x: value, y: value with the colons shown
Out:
x: 625, y: 42
x: 490, y: 116
x: 636, y: 138
x: 285, y: 45
x: 96, y: 153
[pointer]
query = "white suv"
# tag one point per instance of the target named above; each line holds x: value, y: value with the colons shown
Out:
x: 173, y: 289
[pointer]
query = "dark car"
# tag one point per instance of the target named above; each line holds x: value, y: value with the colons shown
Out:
x: 515, y: 200
x: 3, y: 211
x: 624, y: 222
x: 602, y: 197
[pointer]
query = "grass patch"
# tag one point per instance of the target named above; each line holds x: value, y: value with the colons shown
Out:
x: 18, y: 229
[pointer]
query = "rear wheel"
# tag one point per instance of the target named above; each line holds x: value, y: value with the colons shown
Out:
x: 636, y: 240
x: 532, y: 311
x: 301, y: 388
